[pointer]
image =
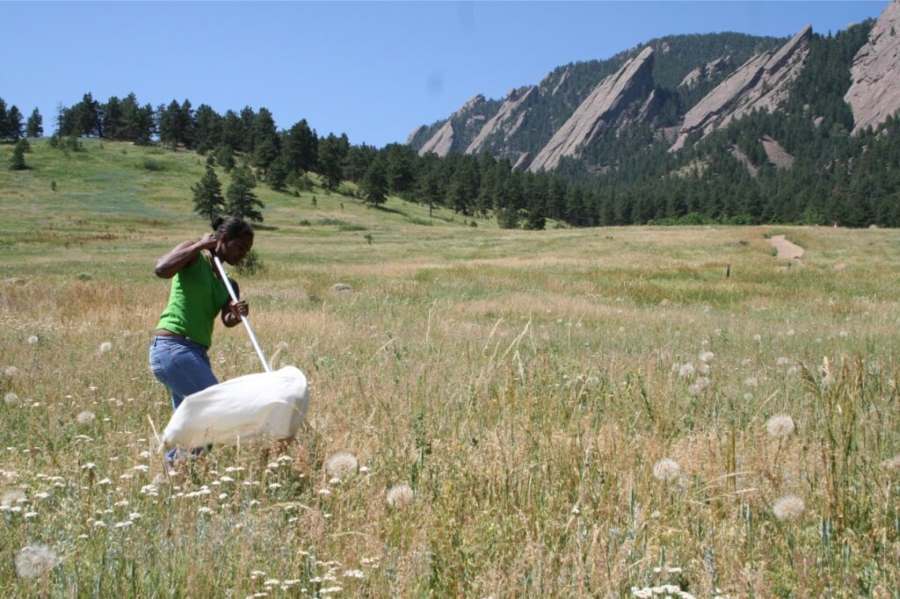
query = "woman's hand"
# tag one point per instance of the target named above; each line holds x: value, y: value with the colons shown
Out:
x: 208, y: 242
x: 239, y: 309
x: 231, y: 314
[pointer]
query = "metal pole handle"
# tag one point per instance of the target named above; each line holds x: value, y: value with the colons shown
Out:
x: 244, y: 319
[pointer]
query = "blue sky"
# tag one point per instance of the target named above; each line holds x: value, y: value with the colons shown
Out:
x: 372, y: 70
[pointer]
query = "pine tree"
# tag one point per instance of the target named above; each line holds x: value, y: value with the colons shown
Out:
x: 330, y: 161
x: 14, y: 123
x: 208, y: 200
x: 168, y: 124
x: 35, y: 127
x: 88, y: 115
x: 17, y: 161
x: 278, y: 174
x: 240, y: 200
x: 266, y: 142
x: 301, y: 148
x: 112, y: 118
x: 374, y: 184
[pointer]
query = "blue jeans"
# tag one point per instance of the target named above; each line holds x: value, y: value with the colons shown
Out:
x: 182, y: 366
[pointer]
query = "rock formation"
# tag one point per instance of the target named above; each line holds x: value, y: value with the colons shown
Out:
x: 441, y: 142
x: 706, y: 72
x: 874, y: 94
x: 605, y: 107
x: 776, y: 154
x: 761, y: 83
x: 507, y: 120
x: 464, y: 121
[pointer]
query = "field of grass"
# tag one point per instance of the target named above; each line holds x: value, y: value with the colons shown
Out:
x: 577, y: 412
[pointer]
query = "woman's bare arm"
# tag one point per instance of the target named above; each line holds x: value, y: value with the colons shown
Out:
x: 182, y: 255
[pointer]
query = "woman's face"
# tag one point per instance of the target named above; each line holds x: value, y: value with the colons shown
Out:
x: 234, y: 250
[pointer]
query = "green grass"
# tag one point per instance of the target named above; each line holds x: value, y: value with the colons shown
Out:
x: 524, y: 384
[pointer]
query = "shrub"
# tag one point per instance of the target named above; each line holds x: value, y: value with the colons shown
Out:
x: 153, y: 165
x: 251, y: 264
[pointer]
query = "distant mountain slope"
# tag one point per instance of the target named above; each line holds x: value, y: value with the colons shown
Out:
x: 520, y: 125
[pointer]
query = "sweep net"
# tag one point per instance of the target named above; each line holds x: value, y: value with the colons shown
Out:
x: 268, y: 405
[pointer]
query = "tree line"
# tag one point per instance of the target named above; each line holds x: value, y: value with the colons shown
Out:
x: 835, y: 177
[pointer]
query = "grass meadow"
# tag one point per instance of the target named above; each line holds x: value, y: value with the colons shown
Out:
x: 597, y: 412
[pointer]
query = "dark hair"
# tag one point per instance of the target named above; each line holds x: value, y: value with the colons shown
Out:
x: 231, y: 227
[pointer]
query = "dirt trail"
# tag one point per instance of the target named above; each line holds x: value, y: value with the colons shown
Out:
x: 786, y: 249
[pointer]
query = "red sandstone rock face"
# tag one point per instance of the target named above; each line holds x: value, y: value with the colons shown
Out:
x: 602, y: 109
x: 874, y: 94
x: 761, y: 83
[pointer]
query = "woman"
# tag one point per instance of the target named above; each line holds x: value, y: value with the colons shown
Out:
x: 178, y: 350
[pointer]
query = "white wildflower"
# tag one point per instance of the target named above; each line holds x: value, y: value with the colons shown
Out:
x: 400, y: 495
x: 35, y: 560
x: 341, y: 464
x: 686, y: 370
x: 666, y: 469
x: 30, y: 515
x: 780, y: 426
x: 12, y: 496
x: 123, y: 524
x: 757, y: 338
x: 105, y: 347
x: 99, y: 524
x: 892, y: 463
x: 788, y: 507
x: 85, y: 417
x: 699, y: 386
x: 11, y: 399
x: 204, y: 510
x: 89, y: 466
x: 32, y: 340
x: 353, y: 574
x: 104, y: 482
x: 134, y: 516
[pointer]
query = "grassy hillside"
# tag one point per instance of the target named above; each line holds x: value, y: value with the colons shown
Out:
x: 526, y: 385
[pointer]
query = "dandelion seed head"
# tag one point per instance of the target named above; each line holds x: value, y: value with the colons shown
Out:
x: 32, y: 340
x: 11, y: 399
x: 399, y: 495
x: 892, y: 463
x: 706, y: 356
x: 686, y: 370
x: 788, y: 507
x: 35, y: 560
x: 341, y: 464
x: 666, y: 469
x: 780, y: 426
x: 105, y: 347
x: 84, y: 418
